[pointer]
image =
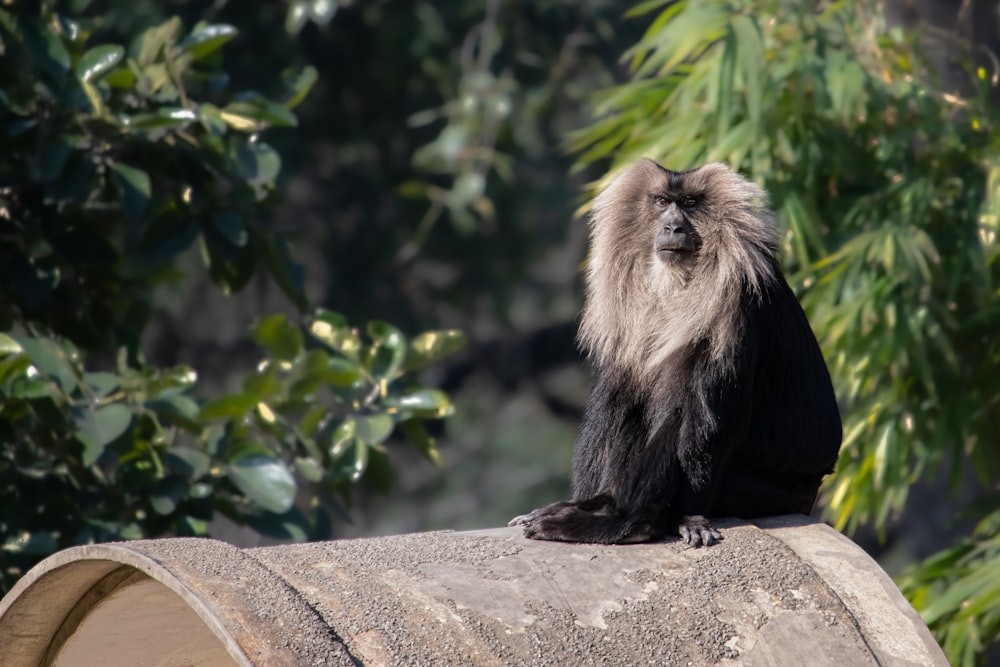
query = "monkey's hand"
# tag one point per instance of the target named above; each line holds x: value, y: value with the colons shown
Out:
x: 594, y: 520
x: 696, y: 530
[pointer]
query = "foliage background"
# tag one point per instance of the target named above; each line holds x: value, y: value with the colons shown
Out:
x: 430, y: 158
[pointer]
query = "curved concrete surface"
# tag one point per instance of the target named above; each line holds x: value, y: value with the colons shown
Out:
x: 782, y: 591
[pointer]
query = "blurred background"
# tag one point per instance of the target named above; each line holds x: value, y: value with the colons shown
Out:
x: 203, y: 203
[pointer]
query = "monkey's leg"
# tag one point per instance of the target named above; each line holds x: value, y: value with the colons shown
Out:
x: 594, y: 520
x: 601, y: 502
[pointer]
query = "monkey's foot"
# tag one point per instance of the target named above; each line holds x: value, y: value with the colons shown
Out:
x: 696, y: 530
x: 595, y: 520
x: 522, y: 519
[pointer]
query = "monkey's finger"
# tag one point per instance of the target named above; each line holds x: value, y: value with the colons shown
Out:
x: 521, y: 519
x: 686, y: 535
x: 709, y: 536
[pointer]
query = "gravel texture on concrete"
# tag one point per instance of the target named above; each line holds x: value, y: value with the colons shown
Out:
x: 494, y: 598
x: 265, y: 610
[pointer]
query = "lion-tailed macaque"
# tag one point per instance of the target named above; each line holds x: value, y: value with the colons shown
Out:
x: 710, y: 395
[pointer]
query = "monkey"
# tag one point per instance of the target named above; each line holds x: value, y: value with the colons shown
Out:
x: 710, y: 396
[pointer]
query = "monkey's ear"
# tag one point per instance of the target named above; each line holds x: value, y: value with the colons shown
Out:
x: 641, y: 166
x: 717, y: 166
x: 649, y: 162
x: 646, y: 167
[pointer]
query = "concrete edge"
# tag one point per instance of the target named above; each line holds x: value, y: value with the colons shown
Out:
x: 189, y: 567
x: 891, y: 626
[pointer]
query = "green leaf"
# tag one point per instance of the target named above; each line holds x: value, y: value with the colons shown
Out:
x: 121, y: 78
x: 230, y: 266
x: 166, y: 494
x: 97, y: 428
x: 289, y: 275
x: 342, y: 438
x: 378, y: 472
x: 8, y: 345
x: 101, y: 384
x: 373, y: 429
x: 94, y: 95
x: 257, y: 114
x: 322, y: 11
x: 231, y: 226
x: 205, y: 40
x: 753, y: 63
x: 186, y: 461
x: 351, y: 466
x: 648, y: 6
x: 426, y: 403
x: 211, y: 119
x: 258, y: 163
x: 387, y: 352
x: 310, y: 423
x: 726, y: 84
x: 281, y: 338
x: 309, y: 369
x: 299, y: 84
x: 233, y: 406
x: 157, y: 80
x: 162, y: 119
x: 46, y: 47
x: 264, y: 479
x: 155, y: 39
x: 50, y: 360
x: 416, y: 432
x: 342, y: 372
x: 98, y: 61
x: 309, y: 468
x: 333, y: 330
x: 30, y: 388
x: 14, y: 368
x: 291, y: 526
x: 296, y: 17
x: 177, y: 410
x: 432, y: 346
x: 136, y: 189
x: 39, y: 543
x: 264, y: 383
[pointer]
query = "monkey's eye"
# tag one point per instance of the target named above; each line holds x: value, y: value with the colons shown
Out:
x: 661, y: 201
x: 689, y: 201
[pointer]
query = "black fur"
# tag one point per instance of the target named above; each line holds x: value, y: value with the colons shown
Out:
x: 748, y: 436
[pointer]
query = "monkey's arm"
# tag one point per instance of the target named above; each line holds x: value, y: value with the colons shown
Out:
x: 715, y: 425
x: 714, y: 428
x: 612, y: 433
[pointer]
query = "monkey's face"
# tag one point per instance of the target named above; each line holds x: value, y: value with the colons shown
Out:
x: 677, y: 240
x: 653, y: 228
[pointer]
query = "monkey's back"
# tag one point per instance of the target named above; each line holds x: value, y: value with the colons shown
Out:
x: 795, y: 431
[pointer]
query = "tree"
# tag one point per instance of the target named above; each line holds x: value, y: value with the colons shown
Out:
x: 116, y: 161
x: 887, y: 183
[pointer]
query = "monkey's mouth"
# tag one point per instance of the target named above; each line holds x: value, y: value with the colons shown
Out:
x: 672, y: 244
x: 674, y: 248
